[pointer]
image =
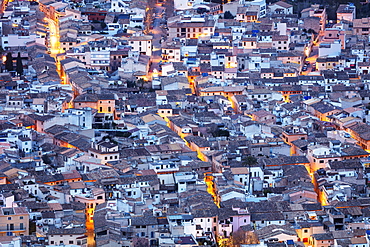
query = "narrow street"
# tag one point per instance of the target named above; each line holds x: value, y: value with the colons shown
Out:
x: 90, y: 229
x: 157, y: 33
x: 54, y: 44
x: 54, y: 48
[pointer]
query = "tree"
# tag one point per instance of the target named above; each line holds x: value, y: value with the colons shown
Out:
x: 221, y: 132
x: 311, y: 31
x: 130, y: 84
x: 103, y: 25
x: 126, y: 134
x: 9, y: 62
x: 238, y: 238
x: 19, y: 65
x: 228, y: 15
x: 46, y: 159
x: 140, y: 242
x: 250, y: 161
x: 266, y: 191
x: 140, y: 83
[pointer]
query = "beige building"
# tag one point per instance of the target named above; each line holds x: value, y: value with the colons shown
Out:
x: 280, y: 7
x: 14, y: 221
x: 67, y: 43
x: 316, y: 11
x: 290, y: 57
x: 94, y: 197
x: 191, y: 29
x: 280, y: 42
x: 361, y: 26
x: 248, y: 14
x: 346, y: 12
x: 171, y: 53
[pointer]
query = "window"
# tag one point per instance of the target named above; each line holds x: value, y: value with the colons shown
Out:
x: 9, y: 218
x: 305, y: 231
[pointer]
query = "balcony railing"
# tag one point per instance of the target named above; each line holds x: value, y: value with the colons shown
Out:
x: 2, y: 229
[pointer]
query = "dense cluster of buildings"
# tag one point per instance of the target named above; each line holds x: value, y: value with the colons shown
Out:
x: 183, y: 123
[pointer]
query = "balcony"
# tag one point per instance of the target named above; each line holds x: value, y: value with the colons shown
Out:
x: 13, y: 229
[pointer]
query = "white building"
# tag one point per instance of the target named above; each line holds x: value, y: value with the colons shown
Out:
x: 142, y: 44
x: 80, y: 117
x: 260, y: 3
x: 14, y: 40
x: 119, y: 6
x: 137, y: 21
x: 280, y: 8
x: 332, y: 49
